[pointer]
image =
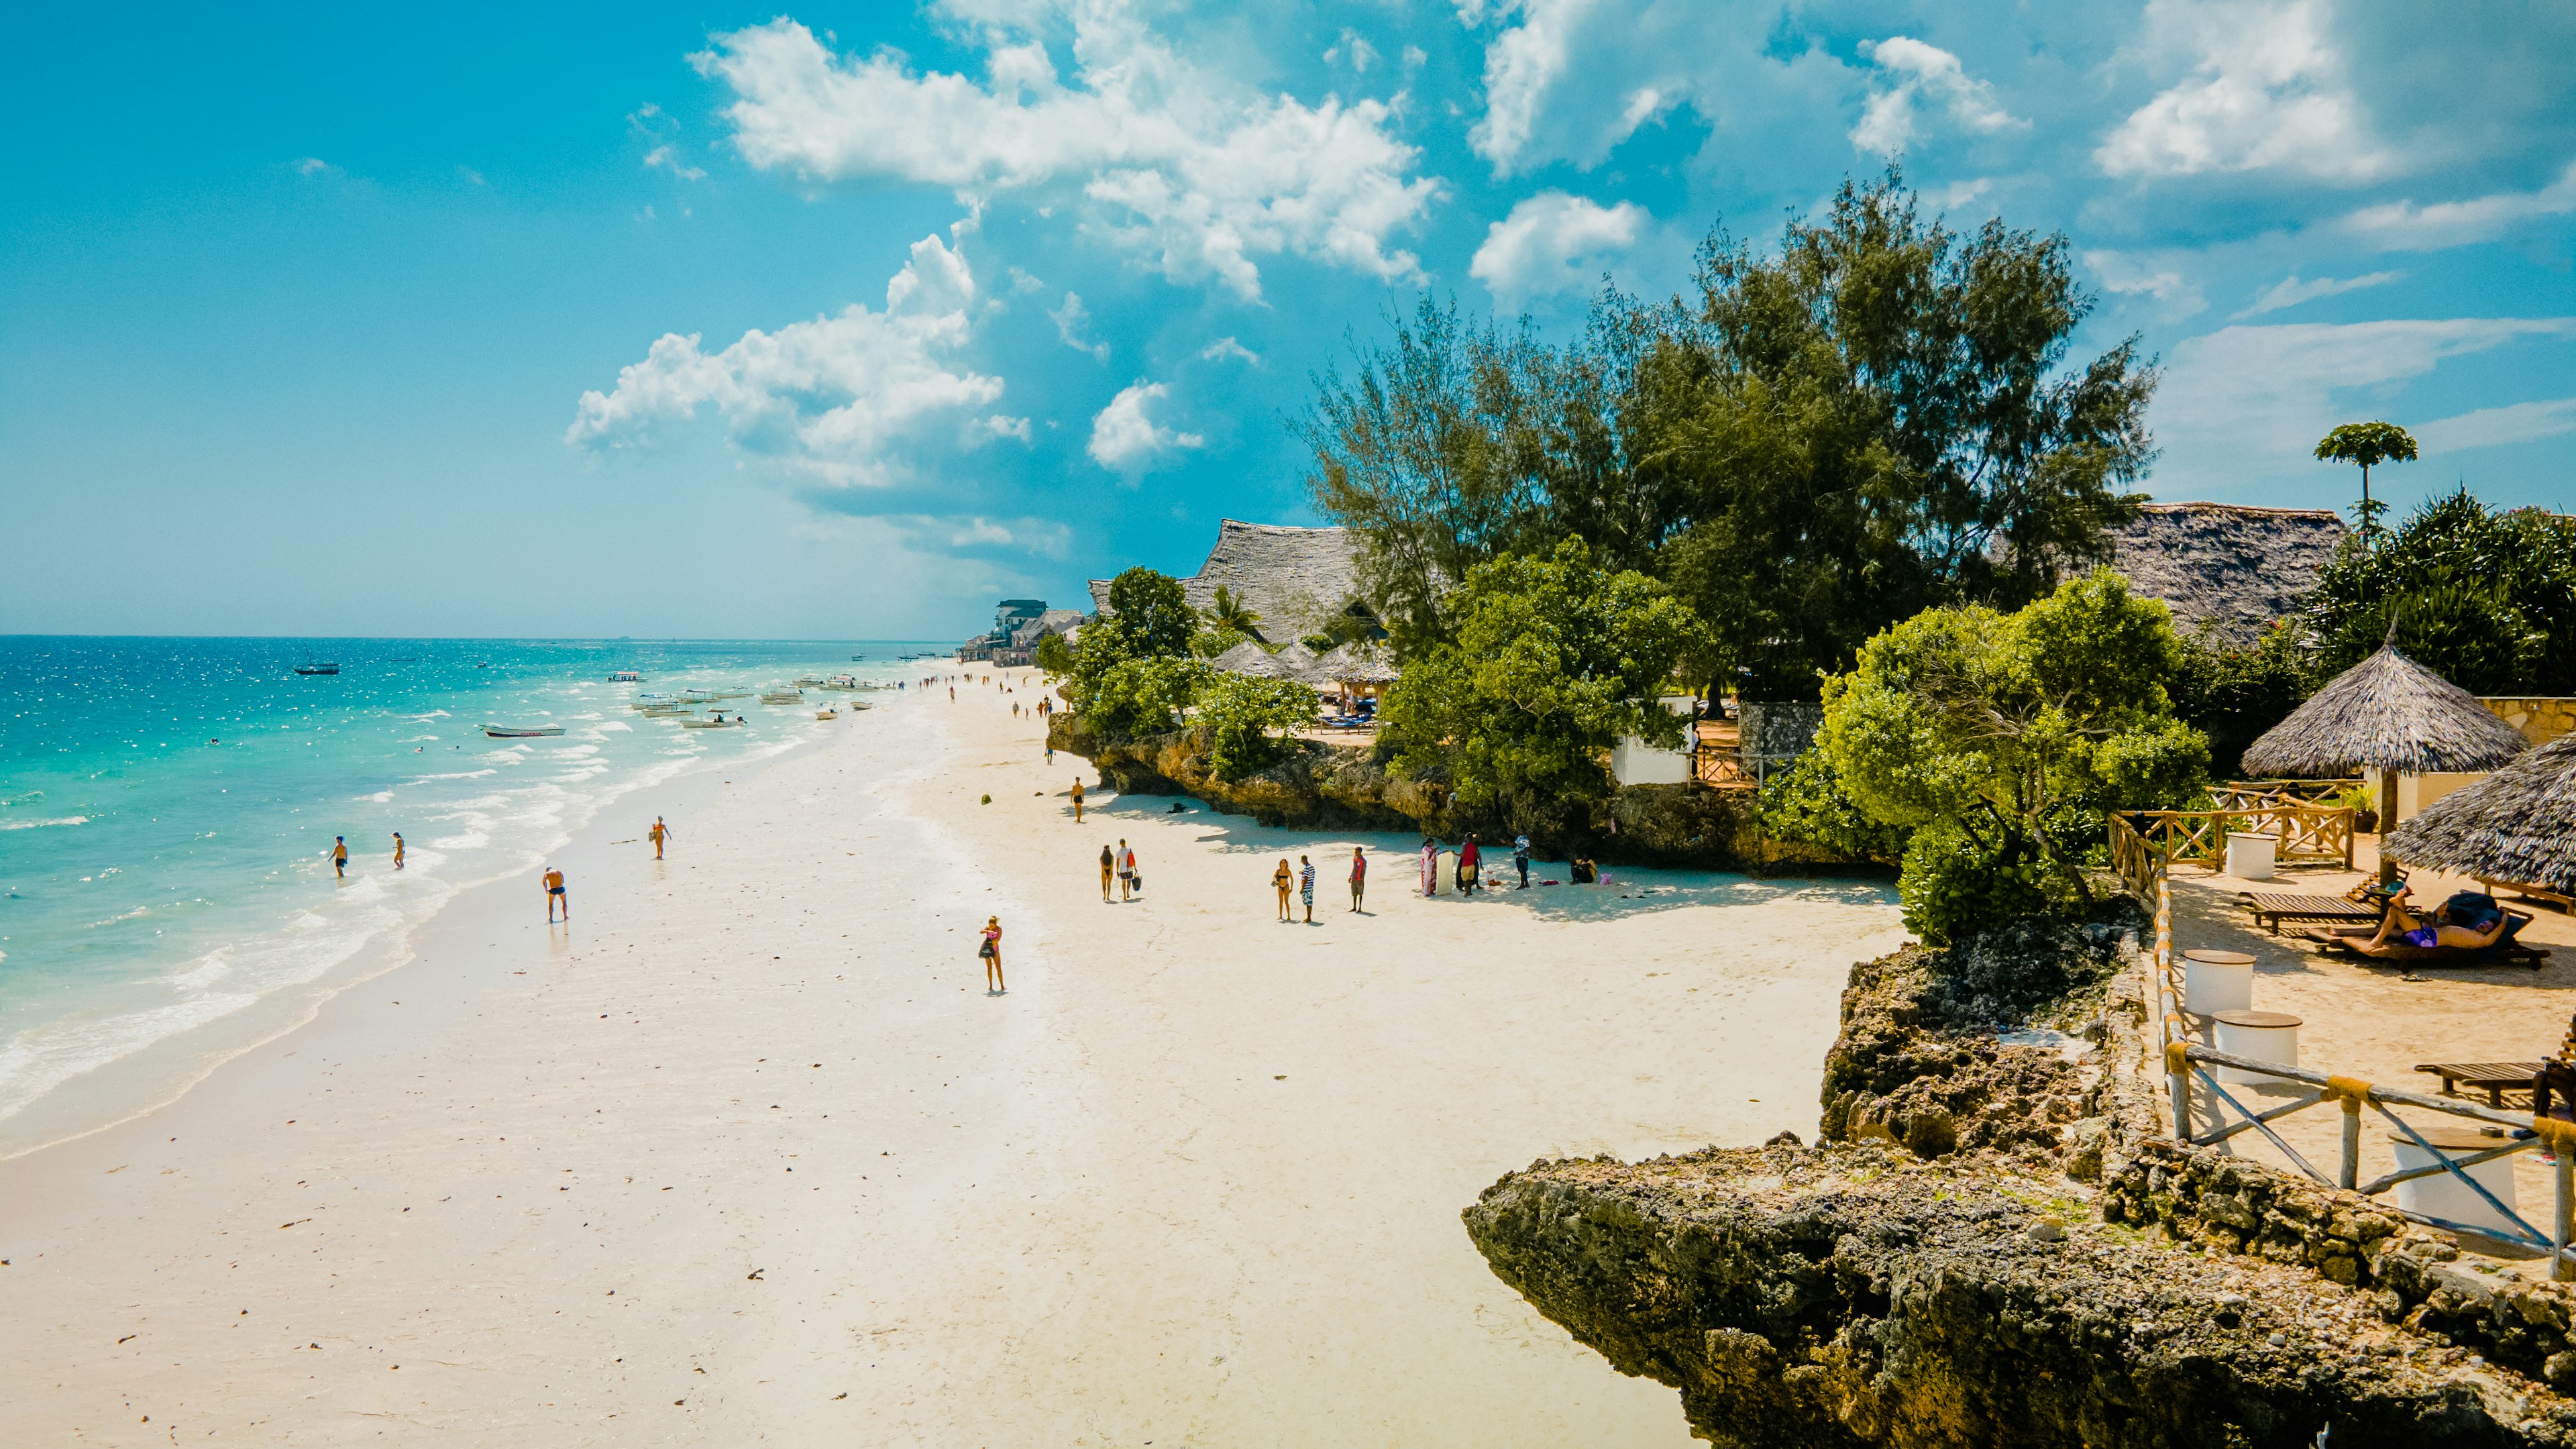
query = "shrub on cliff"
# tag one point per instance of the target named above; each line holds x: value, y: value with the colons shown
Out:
x: 2001, y: 738
x: 1809, y: 803
x: 1144, y: 696
x: 1553, y: 662
x: 1132, y: 672
x: 1239, y: 712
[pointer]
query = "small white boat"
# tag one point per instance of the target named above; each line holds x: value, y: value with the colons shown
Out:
x: 783, y: 696
x: 809, y: 682
x: 527, y: 732
x: 718, y: 723
x: 626, y: 676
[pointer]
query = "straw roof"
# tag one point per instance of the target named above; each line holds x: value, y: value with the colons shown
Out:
x: 1297, y: 660
x: 2385, y: 713
x: 1353, y: 664
x: 1250, y: 658
x: 2223, y: 566
x: 1296, y: 579
x: 2516, y: 825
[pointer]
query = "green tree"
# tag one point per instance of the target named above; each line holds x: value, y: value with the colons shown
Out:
x: 1145, y: 695
x: 1239, y: 712
x: 2369, y: 445
x: 2000, y: 739
x: 2486, y: 599
x: 1809, y: 803
x: 1554, y: 661
x: 1229, y: 612
x: 1152, y: 612
x: 1054, y: 655
x: 2234, y: 694
x: 1148, y: 620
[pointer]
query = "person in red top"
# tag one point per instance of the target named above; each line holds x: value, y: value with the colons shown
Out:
x: 991, y: 951
x: 1359, y: 876
x: 1469, y: 860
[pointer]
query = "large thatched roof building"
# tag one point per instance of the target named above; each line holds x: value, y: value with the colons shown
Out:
x: 2232, y: 568
x: 1296, y: 579
x: 2387, y: 713
x: 2518, y: 825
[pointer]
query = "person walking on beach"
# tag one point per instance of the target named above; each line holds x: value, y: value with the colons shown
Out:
x: 1468, y: 861
x: 1306, y: 885
x: 1359, y: 876
x: 1279, y: 883
x: 398, y: 850
x: 1126, y: 870
x: 1077, y: 802
x: 1050, y: 754
x: 1108, y: 868
x: 1520, y: 858
x: 991, y: 951
x: 1430, y: 867
x: 340, y: 856
x: 659, y: 833
x: 555, y: 896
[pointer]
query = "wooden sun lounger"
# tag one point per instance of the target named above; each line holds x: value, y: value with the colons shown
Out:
x: 2271, y: 910
x: 2506, y: 952
x: 2530, y: 893
x: 2493, y: 1078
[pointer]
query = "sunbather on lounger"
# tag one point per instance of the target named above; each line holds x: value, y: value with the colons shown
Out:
x: 2403, y: 927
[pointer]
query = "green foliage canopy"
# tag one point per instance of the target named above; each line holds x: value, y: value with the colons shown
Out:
x: 2234, y: 694
x: 1239, y: 713
x: 1553, y: 662
x: 2486, y: 599
x: 2367, y: 445
x: 2000, y: 738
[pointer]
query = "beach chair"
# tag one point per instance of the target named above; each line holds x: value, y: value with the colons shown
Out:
x: 2503, y: 951
x: 2270, y: 910
x: 2555, y: 1075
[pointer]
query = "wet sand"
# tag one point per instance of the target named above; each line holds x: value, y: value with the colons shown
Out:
x: 747, y: 1154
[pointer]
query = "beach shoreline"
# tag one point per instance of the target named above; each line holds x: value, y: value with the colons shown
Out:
x: 748, y: 1154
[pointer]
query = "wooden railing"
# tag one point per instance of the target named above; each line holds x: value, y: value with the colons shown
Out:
x: 2251, y: 794
x: 2139, y: 861
x: 2302, y: 833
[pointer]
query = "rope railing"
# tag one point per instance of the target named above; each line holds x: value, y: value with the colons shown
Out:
x: 2187, y: 1061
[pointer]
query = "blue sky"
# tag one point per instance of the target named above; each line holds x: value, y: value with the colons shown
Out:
x: 849, y: 319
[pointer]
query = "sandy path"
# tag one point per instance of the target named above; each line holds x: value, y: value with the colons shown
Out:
x: 1195, y: 1179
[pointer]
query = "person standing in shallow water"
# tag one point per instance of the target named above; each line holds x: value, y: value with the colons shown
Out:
x: 1359, y: 876
x: 991, y: 951
x: 340, y: 856
x: 1306, y: 885
x: 1279, y: 882
x: 555, y: 896
x: 398, y: 850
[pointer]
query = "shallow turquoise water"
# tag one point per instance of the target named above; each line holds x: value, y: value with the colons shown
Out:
x: 167, y: 806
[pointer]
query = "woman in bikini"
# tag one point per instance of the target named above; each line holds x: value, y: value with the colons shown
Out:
x: 991, y: 951
x: 1108, y: 869
x: 1279, y: 880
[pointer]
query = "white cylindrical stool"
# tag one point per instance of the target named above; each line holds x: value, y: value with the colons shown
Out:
x: 2250, y: 856
x: 2216, y: 981
x: 2261, y: 1036
x: 2445, y: 1196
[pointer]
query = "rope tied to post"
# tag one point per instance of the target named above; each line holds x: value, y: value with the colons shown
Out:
x: 2351, y: 1089
x: 2177, y: 1057
x: 2557, y: 1133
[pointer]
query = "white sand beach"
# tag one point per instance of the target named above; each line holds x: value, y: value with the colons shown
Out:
x: 746, y: 1154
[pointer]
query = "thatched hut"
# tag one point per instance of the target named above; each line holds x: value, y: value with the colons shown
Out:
x: 2516, y: 826
x: 1355, y: 670
x: 2388, y: 715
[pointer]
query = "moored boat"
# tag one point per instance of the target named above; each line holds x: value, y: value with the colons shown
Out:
x: 522, y: 732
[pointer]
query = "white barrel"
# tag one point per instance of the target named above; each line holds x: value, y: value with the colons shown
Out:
x: 2216, y: 981
x: 2250, y: 856
x: 2444, y: 1196
x: 2261, y: 1036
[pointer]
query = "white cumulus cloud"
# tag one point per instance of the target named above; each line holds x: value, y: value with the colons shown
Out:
x: 1186, y: 169
x: 1914, y: 77
x: 838, y: 398
x: 1554, y: 242
x: 1073, y: 325
x: 1125, y: 439
x: 2266, y: 90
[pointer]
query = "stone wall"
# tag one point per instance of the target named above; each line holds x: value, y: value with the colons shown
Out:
x: 2540, y: 718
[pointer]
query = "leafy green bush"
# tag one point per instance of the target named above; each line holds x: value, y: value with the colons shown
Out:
x: 2008, y: 735
x: 2233, y: 695
x: 1240, y: 712
x: 1808, y: 803
x: 1144, y: 696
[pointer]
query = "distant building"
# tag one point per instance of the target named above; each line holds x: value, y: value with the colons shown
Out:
x: 1013, y: 619
x: 2225, y: 566
x: 1296, y: 579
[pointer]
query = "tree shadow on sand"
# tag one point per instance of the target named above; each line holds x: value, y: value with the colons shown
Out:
x: 1394, y: 869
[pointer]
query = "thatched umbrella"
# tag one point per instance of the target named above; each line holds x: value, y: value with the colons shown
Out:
x: 1354, y: 664
x: 2517, y: 825
x: 2388, y: 714
x: 1250, y: 658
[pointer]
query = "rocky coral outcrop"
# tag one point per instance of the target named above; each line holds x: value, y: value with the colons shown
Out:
x: 1856, y: 1296
x: 1325, y: 786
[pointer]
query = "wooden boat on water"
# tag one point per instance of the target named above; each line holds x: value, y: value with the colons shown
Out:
x: 717, y: 723
x: 625, y: 676
x: 317, y: 668
x: 783, y: 696
x: 526, y: 732
x: 827, y: 712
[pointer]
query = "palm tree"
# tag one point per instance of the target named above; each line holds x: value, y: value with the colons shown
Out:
x: 1230, y: 612
x: 2367, y: 444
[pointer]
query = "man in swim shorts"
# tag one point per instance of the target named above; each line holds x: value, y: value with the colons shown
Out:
x: 340, y: 856
x: 1077, y: 802
x: 555, y: 896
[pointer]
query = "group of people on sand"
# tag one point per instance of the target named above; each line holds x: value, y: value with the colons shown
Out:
x: 1471, y: 866
x: 1118, y: 864
x: 1303, y: 880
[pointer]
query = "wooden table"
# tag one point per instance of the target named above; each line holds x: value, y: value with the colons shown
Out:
x: 2271, y: 910
x: 2493, y: 1078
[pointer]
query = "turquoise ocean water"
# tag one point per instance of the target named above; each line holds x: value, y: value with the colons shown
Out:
x: 167, y: 807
